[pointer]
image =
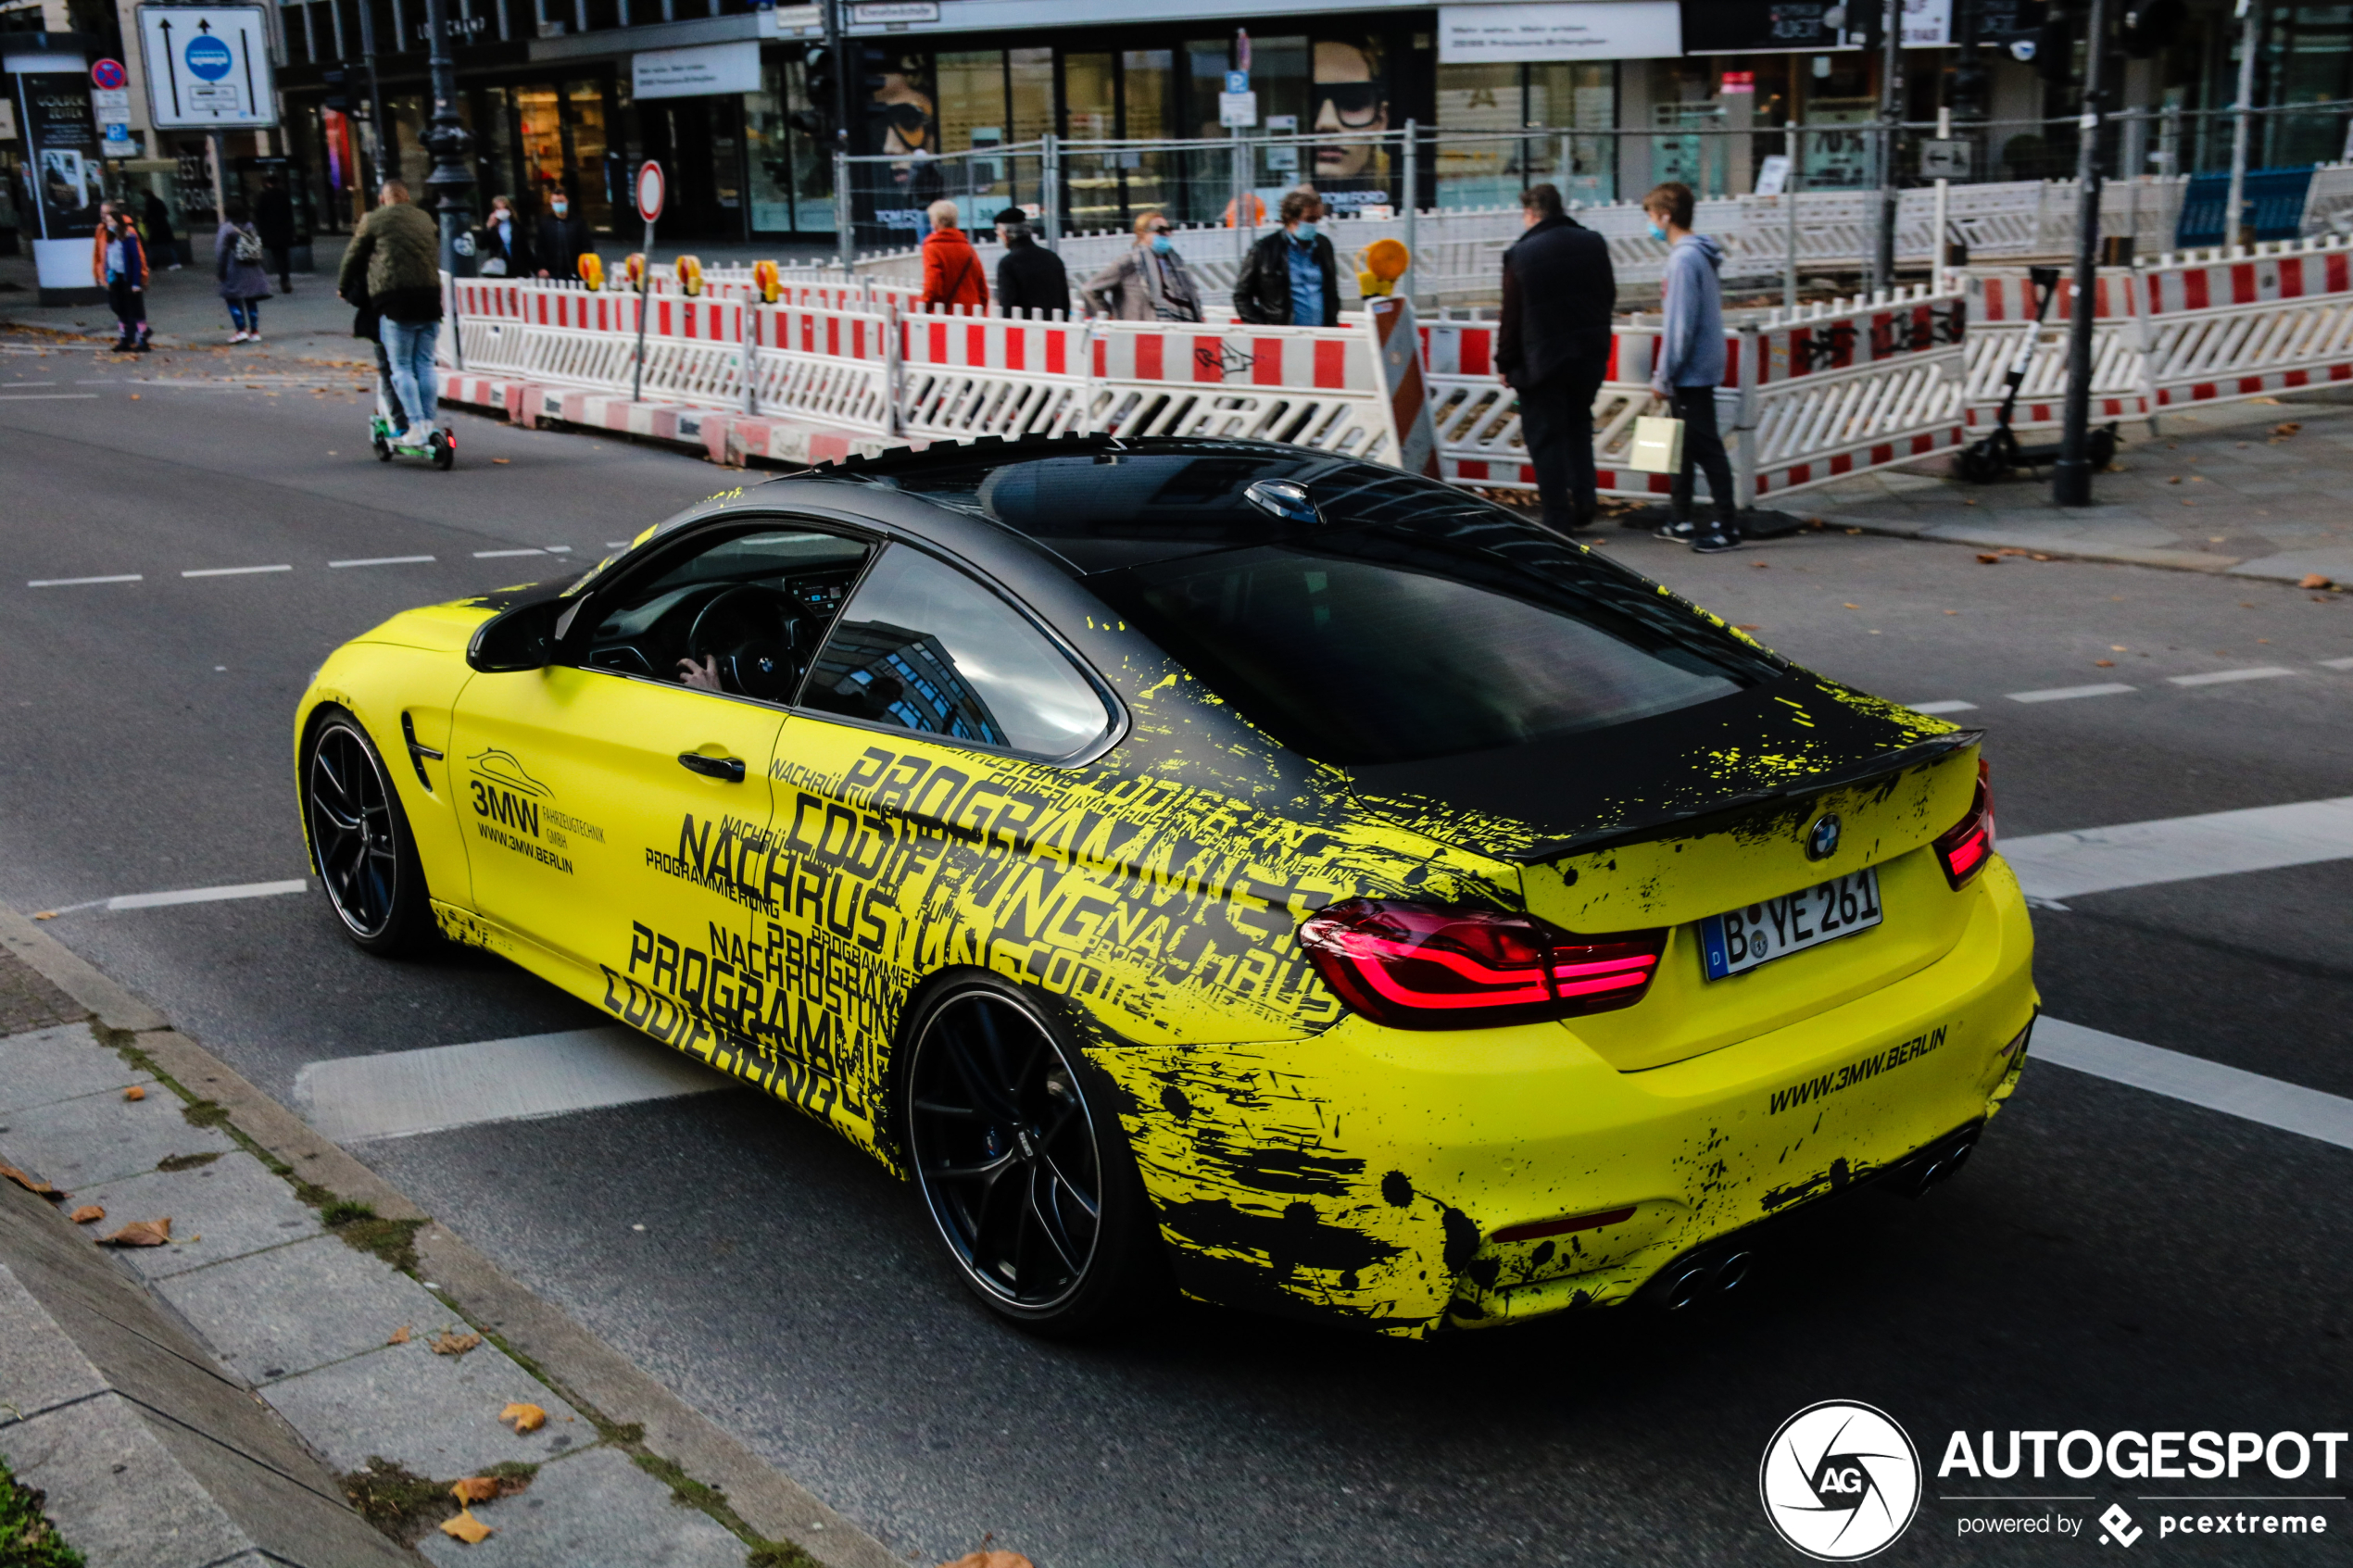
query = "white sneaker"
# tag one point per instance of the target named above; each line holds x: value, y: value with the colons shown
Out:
x: 253, y: 337
x: 415, y: 435
x: 236, y: 337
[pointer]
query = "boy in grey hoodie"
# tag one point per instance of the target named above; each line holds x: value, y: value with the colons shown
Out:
x: 1689, y: 367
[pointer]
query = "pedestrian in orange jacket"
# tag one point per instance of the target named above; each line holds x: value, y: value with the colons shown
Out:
x: 952, y: 272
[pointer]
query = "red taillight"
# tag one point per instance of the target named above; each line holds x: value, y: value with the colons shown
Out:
x: 1969, y: 843
x: 1422, y: 966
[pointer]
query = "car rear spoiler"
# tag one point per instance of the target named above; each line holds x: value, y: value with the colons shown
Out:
x: 1724, y: 813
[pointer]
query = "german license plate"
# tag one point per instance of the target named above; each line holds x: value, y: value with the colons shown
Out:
x: 1737, y: 940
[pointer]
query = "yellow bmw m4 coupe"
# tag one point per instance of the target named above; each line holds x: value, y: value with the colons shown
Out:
x: 1213, y: 861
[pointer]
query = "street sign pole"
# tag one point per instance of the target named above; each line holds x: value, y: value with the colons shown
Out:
x: 2072, y: 475
x: 650, y: 194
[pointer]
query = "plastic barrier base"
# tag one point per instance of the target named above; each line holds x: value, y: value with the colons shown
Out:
x: 733, y: 440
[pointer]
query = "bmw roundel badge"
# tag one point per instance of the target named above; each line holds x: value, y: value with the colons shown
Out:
x: 1821, y: 839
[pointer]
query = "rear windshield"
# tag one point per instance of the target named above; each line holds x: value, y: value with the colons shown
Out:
x: 1434, y: 626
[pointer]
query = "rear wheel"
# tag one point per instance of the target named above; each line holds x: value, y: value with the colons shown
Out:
x: 445, y: 452
x: 1026, y: 1172
x: 360, y: 837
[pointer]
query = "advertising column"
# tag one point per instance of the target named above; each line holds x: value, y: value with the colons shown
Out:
x: 63, y: 172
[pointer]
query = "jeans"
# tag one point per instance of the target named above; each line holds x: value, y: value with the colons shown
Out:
x: 410, y: 351
x: 1704, y: 450
x: 1557, y: 425
x: 245, y: 315
x: 130, y: 308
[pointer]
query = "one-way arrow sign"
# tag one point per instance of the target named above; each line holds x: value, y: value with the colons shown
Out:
x: 208, y: 66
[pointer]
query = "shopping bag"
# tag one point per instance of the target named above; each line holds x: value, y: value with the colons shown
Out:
x: 1658, y: 445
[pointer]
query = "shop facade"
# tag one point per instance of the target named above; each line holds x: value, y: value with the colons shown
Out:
x: 1620, y: 95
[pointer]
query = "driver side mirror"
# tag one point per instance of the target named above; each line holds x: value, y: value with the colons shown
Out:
x: 521, y: 638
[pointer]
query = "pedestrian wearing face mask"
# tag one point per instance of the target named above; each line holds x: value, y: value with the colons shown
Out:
x: 1029, y: 276
x: 1289, y: 279
x: 1148, y: 284
x: 561, y: 240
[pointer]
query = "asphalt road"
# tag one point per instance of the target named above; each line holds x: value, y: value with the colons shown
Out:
x: 2112, y: 1259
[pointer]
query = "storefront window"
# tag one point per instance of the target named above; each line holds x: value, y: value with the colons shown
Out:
x: 1090, y: 113
x: 586, y: 101
x: 540, y: 127
x: 1148, y: 110
x: 496, y: 150
x: 972, y: 115
x: 1482, y: 163
x: 792, y: 178
x: 1578, y: 96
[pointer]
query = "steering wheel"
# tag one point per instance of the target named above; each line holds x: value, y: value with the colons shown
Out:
x: 754, y: 633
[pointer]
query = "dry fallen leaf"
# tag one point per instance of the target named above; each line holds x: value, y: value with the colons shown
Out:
x: 134, y: 1092
x: 2038, y: 556
x: 527, y: 1418
x: 89, y: 1214
x: 46, y: 914
x: 399, y: 1335
x: 475, y: 1488
x: 135, y: 398
x: 448, y: 1344
x: 467, y: 1528
x: 990, y: 1559
x: 1762, y: 565
x: 2290, y: 428
x: 2315, y: 580
x: 1988, y: 559
x: 33, y: 1184
x: 2104, y: 663
x: 1853, y: 607
x: 2175, y: 479
x: 1747, y: 626
x: 140, y: 1232
x: 502, y: 459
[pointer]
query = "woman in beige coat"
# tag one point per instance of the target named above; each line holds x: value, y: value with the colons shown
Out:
x: 1148, y: 284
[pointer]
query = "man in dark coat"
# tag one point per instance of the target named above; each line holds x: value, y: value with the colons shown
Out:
x: 1553, y: 347
x: 1028, y: 276
x: 273, y: 220
x: 1289, y: 279
x: 561, y: 240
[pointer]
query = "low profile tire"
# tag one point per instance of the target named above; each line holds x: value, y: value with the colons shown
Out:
x: 1026, y: 1174
x: 360, y: 838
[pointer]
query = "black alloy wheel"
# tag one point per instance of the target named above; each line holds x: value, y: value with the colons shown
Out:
x: 360, y: 837
x: 1028, y: 1176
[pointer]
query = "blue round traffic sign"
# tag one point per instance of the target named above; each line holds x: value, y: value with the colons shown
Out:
x: 209, y: 57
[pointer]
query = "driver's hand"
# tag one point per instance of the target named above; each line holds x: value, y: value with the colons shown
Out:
x: 702, y: 674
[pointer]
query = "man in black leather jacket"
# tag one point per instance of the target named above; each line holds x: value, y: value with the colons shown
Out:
x: 1553, y: 347
x: 1265, y: 291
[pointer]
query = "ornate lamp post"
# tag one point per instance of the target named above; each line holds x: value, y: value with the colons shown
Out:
x: 448, y: 143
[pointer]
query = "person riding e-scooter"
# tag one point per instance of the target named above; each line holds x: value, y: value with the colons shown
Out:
x: 392, y: 269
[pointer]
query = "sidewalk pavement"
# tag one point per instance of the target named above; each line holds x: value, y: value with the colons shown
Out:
x: 275, y: 1334
x: 2253, y: 489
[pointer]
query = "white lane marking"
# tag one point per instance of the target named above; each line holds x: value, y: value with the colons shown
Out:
x: 19, y: 385
x: 2061, y: 865
x: 2337, y: 664
x: 624, y: 543
x: 1949, y: 705
x: 206, y: 895
x: 46, y: 396
x: 383, y: 561
x: 402, y: 1094
x: 2217, y: 677
x: 2231, y: 1090
x: 2068, y: 693
x: 560, y: 549
x: 500, y: 555
x: 78, y: 581
x: 232, y: 571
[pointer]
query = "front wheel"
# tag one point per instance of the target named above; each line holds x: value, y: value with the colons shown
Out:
x: 1009, y: 1136
x: 360, y: 838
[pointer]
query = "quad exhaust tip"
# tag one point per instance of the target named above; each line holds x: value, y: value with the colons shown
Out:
x: 1703, y: 1278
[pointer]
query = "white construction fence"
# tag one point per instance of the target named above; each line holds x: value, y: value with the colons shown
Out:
x: 835, y: 366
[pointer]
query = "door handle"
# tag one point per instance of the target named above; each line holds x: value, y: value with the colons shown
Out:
x: 729, y: 768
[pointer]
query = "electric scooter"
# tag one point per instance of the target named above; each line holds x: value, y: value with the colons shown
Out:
x: 441, y: 447
x: 1996, y: 454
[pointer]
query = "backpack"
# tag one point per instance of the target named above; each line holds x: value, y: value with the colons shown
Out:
x: 249, y: 252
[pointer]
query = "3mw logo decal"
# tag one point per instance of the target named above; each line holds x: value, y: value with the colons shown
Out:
x: 1840, y: 1481
x: 508, y: 800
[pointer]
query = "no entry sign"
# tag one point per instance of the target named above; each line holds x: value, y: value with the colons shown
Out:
x: 650, y: 190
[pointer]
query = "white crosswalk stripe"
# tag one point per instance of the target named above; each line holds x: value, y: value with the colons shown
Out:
x: 2065, y: 865
x: 2235, y: 1092
x: 404, y: 1093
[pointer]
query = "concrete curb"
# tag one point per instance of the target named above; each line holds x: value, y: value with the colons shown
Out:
x: 574, y: 1364
x: 2061, y: 548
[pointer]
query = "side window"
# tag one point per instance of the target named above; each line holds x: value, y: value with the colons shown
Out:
x: 740, y: 614
x: 925, y: 648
